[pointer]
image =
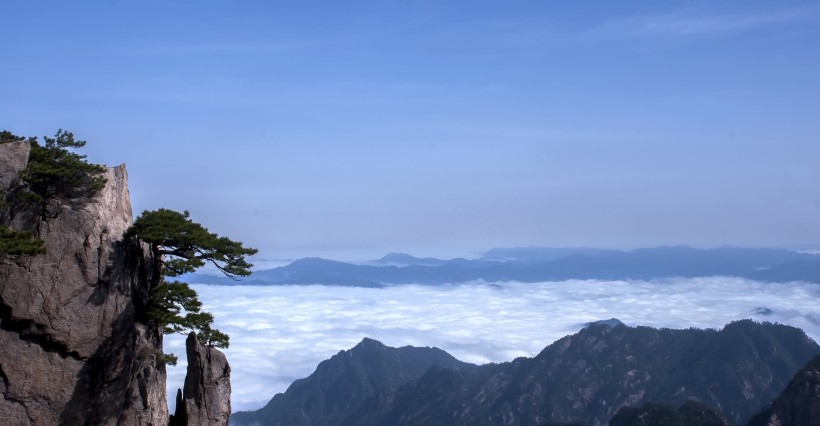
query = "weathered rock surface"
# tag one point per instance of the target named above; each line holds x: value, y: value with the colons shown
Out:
x: 206, y: 397
x: 73, y: 348
x: 798, y: 404
x: 15, y: 157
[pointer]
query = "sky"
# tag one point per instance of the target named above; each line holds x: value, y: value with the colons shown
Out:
x: 281, y: 333
x: 351, y: 129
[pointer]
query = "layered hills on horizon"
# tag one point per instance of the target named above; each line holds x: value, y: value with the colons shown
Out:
x: 587, y: 377
x: 534, y: 264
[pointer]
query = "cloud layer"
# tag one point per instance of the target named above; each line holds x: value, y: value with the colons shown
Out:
x: 280, y: 333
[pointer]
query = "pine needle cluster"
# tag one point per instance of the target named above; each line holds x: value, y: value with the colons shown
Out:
x: 54, y: 170
x: 180, y: 246
x: 19, y: 242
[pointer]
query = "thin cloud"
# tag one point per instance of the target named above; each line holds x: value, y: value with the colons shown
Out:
x: 541, y: 36
x: 281, y: 333
x: 683, y: 24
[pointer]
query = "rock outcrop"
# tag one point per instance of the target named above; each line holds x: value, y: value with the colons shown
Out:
x: 15, y: 158
x: 74, y: 346
x: 206, y: 398
x: 798, y: 404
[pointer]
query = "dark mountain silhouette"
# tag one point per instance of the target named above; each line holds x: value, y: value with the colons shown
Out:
x: 612, y: 322
x: 798, y: 404
x: 660, y: 262
x: 341, y: 383
x: 691, y: 413
x: 586, y: 377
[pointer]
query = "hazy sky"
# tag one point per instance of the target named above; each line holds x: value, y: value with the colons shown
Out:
x: 351, y: 128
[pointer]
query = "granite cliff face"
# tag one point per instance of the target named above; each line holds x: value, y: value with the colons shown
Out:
x: 75, y: 348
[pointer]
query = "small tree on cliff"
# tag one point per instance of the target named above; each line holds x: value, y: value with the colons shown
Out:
x: 54, y: 170
x: 7, y: 136
x: 19, y: 242
x: 11, y: 241
x: 179, y: 246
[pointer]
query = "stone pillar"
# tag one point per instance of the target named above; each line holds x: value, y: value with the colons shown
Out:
x: 206, y: 397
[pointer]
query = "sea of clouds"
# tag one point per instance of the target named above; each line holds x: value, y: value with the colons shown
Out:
x: 280, y: 333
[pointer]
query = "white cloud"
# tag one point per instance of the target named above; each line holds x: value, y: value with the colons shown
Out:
x: 280, y: 333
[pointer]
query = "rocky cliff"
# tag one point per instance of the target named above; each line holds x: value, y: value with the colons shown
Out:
x: 798, y: 404
x: 75, y: 348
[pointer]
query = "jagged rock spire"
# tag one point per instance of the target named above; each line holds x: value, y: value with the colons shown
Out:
x: 206, y: 397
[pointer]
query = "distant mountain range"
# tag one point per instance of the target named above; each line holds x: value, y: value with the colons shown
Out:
x: 542, y: 264
x: 585, y: 378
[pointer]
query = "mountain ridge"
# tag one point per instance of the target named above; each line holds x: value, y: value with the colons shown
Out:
x: 587, y: 377
x: 768, y: 265
x: 351, y: 376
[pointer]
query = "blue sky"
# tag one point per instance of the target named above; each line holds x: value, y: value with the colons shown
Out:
x: 349, y: 129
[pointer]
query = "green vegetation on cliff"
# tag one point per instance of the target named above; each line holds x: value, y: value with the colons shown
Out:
x: 53, y: 171
x: 19, y: 242
x: 179, y: 246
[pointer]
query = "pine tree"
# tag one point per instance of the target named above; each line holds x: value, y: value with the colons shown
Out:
x: 19, y: 242
x: 55, y: 171
x: 179, y: 246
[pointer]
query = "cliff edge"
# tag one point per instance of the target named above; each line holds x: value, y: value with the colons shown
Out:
x: 75, y: 345
x: 74, y: 350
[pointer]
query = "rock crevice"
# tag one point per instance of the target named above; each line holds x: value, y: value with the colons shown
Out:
x: 32, y: 332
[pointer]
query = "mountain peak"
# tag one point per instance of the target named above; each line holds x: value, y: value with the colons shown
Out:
x: 309, y: 261
x: 398, y: 257
x: 368, y: 344
x: 611, y: 323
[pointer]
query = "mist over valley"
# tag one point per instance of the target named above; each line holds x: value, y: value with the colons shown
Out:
x: 280, y: 333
